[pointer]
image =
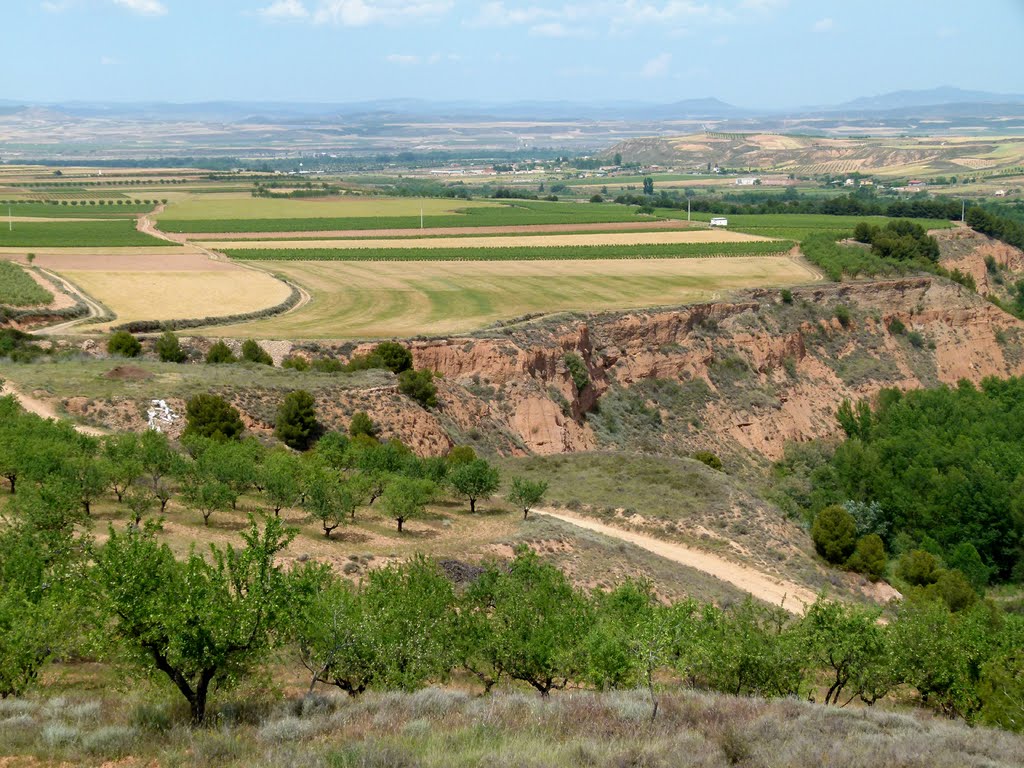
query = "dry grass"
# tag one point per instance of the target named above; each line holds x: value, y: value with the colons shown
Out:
x: 450, y: 728
x: 237, y: 205
x: 379, y: 299
x: 158, y: 295
x: 534, y: 241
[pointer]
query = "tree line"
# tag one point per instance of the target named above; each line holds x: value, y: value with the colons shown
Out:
x: 935, y: 475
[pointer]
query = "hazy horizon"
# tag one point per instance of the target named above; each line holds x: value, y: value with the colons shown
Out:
x: 759, y: 54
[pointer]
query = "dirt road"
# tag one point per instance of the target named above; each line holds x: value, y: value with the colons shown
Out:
x: 46, y: 410
x: 791, y: 596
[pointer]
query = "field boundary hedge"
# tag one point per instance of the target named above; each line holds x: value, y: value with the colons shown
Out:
x: 517, y: 253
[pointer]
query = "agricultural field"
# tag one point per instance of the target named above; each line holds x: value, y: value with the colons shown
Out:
x: 18, y: 289
x: 239, y: 214
x: 501, y: 242
x: 152, y: 287
x: 54, y: 209
x: 382, y: 299
x: 567, y: 253
x: 76, y: 234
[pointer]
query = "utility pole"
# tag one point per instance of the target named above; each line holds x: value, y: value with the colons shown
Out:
x: 963, y: 209
x: 10, y: 220
x: 687, y: 208
x: 421, y: 218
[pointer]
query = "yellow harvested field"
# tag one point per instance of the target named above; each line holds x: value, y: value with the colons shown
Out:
x: 511, y: 241
x: 357, y: 300
x: 169, y: 295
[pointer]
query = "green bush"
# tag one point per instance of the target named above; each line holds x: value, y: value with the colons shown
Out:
x: 362, y: 424
x: 328, y: 365
x: 918, y: 568
x: 869, y: 557
x: 213, y: 417
x: 577, y: 370
x: 393, y: 356
x: 834, y: 533
x: 419, y: 385
x: 219, y: 354
x: 708, y: 458
x: 252, y: 352
x: 916, y: 339
x: 169, y: 350
x: 787, y: 296
x: 123, y: 344
x: 843, y: 315
x: 896, y: 327
x: 295, y: 363
x: 296, y: 425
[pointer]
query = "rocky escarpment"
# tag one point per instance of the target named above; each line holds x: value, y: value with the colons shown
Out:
x: 742, y: 376
x: 752, y: 374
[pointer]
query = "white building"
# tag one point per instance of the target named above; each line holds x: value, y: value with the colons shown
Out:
x: 719, y: 221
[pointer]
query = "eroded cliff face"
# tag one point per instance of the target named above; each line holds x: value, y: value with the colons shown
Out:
x: 754, y: 373
x: 749, y: 374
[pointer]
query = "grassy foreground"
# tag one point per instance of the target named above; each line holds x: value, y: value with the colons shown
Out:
x: 436, y: 727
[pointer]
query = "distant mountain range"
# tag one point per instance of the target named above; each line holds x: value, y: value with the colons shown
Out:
x: 957, y: 102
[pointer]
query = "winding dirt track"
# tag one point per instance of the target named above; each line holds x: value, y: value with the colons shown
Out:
x: 46, y: 410
x: 787, y: 594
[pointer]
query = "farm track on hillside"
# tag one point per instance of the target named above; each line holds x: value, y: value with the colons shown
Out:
x: 787, y: 594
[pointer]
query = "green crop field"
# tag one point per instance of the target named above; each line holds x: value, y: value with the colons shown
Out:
x: 797, y: 226
x: 233, y: 206
x: 76, y: 234
x: 381, y: 299
x: 55, y: 209
x: 278, y: 218
x: 524, y: 253
x: 18, y: 289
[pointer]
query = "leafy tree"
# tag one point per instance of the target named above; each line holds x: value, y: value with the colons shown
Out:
x: 420, y: 386
x: 460, y: 454
x: 200, y: 622
x: 123, y: 344
x: 252, y: 352
x: 847, y: 640
x: 296, y: 425
x: 393, y: 356
x: 394, y: 632
x: 328, y: 498
x: 220, y: 353
x: 121, y: 461
x: 206, y: 495
x: 362, y: 424
x: 648, y: 185
x: 85, y: 472
x: 869, y: 557
x: 709, y: 459
x: 232, y: 464
x: 1001, y: 689
x: 475, y: 480
x: 279, y: 477
x: 834, y: 533
x: 406, y: 498
x: 965, y: 559
x: 295, y: 363
x: 159, y: 461
x: 333, y: 450
x: 526, y: 493
x: 169, y: 350
x: 918, y: 568
x: 538, y: 621
x: 213, y: 417
x: 140, y: 501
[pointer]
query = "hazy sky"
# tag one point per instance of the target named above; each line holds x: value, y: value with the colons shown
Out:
x: 760, y: 53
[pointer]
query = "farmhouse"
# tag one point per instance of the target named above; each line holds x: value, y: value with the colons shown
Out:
x: 748, y: 181
x: 719, y: 221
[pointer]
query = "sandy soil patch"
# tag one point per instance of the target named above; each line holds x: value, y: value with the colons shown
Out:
x: 787, y: 594
x: 608, y: 226
x: 168, y: 295
x: 536, y: 241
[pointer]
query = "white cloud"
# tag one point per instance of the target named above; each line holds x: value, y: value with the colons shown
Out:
x: 763, y: 6
x: 557, y: 20
x: 556, y: 29
x: 284, y: 10
x: 405, y: 59
x: 824, y: 25
x: 361, y: 13
x: 108, y: 61
x: 144, y: 7
x: 658, y: 66
x: 411, y: 59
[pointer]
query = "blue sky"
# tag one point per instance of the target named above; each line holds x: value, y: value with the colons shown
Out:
x: 760, y: 53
